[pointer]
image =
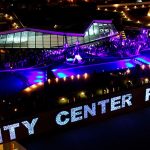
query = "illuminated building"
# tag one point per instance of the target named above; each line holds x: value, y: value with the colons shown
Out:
x: 35, y: 38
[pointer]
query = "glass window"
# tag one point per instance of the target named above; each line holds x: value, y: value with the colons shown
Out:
x: 31, y: 40
x: 61, y: 40
x: 54, y: 42
x: 69, y: 40
x: 46, y: 40
x: 3, y: 40
x: 39, y: 40
x: 9, y: 40
x: 24, y: 39
x: 17, y: 39
x: 74, y: 39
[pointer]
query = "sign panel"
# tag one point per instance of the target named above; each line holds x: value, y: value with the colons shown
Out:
x: 113, y: 104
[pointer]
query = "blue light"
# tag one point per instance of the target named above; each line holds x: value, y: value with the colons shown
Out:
x: 39, y: 77
x: 129, y: 65
x: 143, y: 60
x: 61, y: 75
x: 37, y: 81
x: 39, y: 72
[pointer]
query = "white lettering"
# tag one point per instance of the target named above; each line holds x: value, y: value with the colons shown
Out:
x: 115, y: 101
x: 75, y: 114
x: 29, y: 126
x: 126, y: 99
x: 59, y: 118
x: 147, y: 95
x: 11, y: 129
x: 88, y: 110
x: 103, y: 105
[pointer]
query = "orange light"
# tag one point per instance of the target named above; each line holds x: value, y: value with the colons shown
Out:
x: 49, y: 81
x: 27, y: 89
x: 34, y: 86
x: 85, y: 76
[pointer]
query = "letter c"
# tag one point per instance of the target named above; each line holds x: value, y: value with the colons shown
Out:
x: 59, y: 118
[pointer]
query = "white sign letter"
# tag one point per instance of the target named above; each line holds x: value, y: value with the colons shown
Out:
x: 114, y: 103
x: 29, y: 126
x: 11, y: 129
x: 103, y: 105
x: 126, y: 99
x: 59, y: 119
x: 75, y: 112
x: 88, y: 110
x: 147, y: 95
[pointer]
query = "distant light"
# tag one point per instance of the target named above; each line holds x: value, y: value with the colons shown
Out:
x: 82, y: 94
x: 15, y: 109
x: 72, y: 77
x: 98, y: 8
x: 143, y: 67
x: 78, y: 76
x: 63, y: 100
x: 85, y: 76
x: 55, y: 26
x: 40, y: 83
x: 135, y: 7
x: 27, y: 89
x: 128, y: 8
x: 146, y: 80
x: 143, y: 6
x: 6, y: 15
x: 138, y: 21
x: 116, y: 5
x: 4, y: 101
x: 129, y: 19
x: 10, y: 18
x: 115, y: 10
x: 128, y: 71
x: 105, y: 9
x: 64, y: 78
x: 56, y: 79
x: 49, y: 81
x: 34, y: 86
